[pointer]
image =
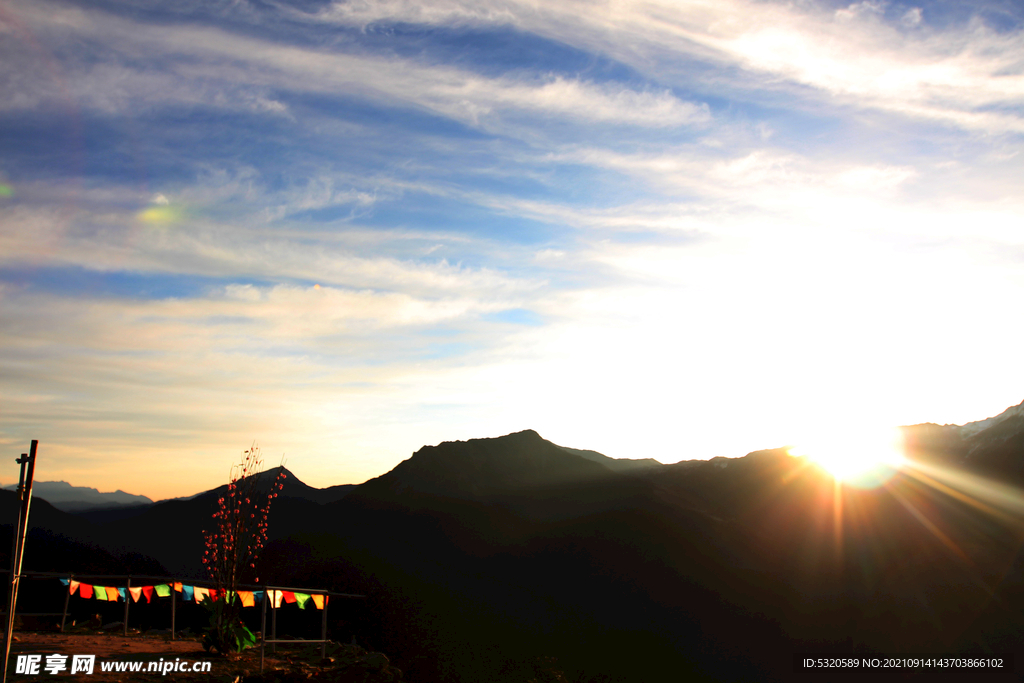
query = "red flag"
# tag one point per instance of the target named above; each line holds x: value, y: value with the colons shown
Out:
x: 84, y: 590
x: 289, y: 597
x: 148, y: 592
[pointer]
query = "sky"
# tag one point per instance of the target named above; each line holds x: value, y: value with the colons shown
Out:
x: 345, y: 230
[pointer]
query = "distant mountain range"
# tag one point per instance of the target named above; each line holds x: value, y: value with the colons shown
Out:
x: 68, y: 498
x: 990, y: 447
x: 480, y: 557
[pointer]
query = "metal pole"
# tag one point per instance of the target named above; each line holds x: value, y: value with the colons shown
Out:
x: 174, y: 601
x: 263, y: 629
x: 25, y: 494
x: 323, y: 631
x: 127, y: 599
x: 67, y: 599
x: 273, y: 624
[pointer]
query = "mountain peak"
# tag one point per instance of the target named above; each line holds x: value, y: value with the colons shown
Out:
x: 477, y: 468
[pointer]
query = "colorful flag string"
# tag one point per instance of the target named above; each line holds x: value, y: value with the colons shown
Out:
x: 189, y: 593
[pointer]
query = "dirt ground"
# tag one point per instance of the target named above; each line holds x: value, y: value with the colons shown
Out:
x: 291, y: 662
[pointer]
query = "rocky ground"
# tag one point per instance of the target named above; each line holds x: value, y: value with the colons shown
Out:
x: 298, y: 662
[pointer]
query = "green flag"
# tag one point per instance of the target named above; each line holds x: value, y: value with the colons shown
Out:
x: 163, y: 590
x: 100, y: 591
x: 302, y: 599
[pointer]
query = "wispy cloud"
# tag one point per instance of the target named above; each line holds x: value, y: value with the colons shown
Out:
x: 221, y: 68
x: 365, y: 226
x: 965, y: 75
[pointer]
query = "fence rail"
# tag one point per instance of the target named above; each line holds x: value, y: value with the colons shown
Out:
x: 273, y: 641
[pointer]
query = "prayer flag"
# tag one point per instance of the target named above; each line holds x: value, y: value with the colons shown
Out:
x: 112, y: 594
x: 177, y: 586
x: 66, y: 582
x: 84, y: 590
x: 302, y: 599
x: 247, y: 598
x: 120, y: 593
x: 289, y: 597
x: 136, y: 593
x: 201, y: 593
x: 74, y: 587
x: 101, y: 592
x: 258, y: 595
x: 186, y: 592
x: 163, y: 590
x: 148, y: 592
x: 318, y: 600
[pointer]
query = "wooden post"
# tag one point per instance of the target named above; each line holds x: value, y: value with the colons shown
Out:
x: 127, y: 599
x: 14, y: 551
x: 67, y: 599
x: 323, y: 631
x: 174, y: 601
x: 263, y: 629
x: 25, y: 494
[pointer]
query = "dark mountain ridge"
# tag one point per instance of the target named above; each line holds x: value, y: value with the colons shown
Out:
x: 477, y: 555
x: 481, y: 468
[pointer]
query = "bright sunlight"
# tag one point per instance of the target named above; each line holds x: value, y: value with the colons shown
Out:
x: 865, y: 457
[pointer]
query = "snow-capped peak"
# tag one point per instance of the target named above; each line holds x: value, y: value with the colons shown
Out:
x: 972, y: 428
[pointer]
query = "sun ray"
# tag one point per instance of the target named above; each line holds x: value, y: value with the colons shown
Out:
x: 929, y: 524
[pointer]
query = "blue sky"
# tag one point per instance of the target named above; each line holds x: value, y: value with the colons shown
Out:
x: 348, y: 229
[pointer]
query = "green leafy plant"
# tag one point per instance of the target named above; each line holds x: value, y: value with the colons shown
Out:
x: 226, y: 633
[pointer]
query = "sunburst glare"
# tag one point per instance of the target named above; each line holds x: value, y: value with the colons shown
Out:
x: 862, y: 457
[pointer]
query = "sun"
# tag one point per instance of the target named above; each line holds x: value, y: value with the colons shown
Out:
x: 855, y: 456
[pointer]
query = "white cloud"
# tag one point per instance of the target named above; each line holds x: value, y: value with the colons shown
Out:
x: 912, y: 17
x: 861, y: 9
x: 604, y: 103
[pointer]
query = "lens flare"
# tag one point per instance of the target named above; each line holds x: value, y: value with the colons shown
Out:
x: 161, y: 215
x: 161, y: 211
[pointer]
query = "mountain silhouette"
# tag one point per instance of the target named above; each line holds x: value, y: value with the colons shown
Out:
x: 482, y: 468
x: 58, y: 541
x: 615, y: 464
